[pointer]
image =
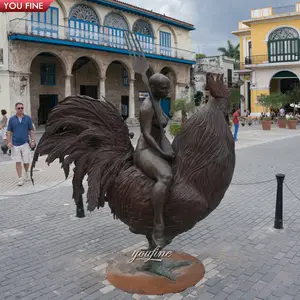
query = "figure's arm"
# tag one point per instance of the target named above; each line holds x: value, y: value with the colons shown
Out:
x: 146, y: 115
x: 166, y: 145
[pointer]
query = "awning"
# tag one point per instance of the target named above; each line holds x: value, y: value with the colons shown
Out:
x: 284, y: 74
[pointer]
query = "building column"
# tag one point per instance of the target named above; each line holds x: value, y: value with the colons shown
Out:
x: 68, y: 91
x: 20, y: 91
x: 102, y: 88
x: 242, y: 99
x: 132, y: 120
x: 66, y: 28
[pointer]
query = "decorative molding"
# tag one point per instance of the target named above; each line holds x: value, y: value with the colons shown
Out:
x: 115, y: 20
x: 84, y: 13
x: 143, y: 27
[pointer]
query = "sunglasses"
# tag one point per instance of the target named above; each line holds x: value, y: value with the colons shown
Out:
x: 20, y: 108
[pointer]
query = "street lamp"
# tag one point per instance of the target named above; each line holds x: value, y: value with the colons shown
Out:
x: 23, y: 84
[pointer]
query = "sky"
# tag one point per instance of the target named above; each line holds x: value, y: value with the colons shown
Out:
x: 214, y: 20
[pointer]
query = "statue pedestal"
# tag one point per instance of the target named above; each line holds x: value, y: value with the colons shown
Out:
x: 127, y: 277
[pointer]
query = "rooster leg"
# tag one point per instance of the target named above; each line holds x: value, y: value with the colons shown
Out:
x: 152, y: 245
x: 79, y: 207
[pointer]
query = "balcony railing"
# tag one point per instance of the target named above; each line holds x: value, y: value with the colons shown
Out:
x: 269, y: 59
x: 101, y: 36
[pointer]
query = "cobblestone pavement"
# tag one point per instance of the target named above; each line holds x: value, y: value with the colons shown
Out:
x: 49, y: 176
x: 47, y: 253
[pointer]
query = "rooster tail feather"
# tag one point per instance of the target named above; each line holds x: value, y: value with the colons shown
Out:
x: 92, y: 135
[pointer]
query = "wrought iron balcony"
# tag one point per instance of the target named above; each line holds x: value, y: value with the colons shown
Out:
x: 105, y: 37
x: 269, y: 59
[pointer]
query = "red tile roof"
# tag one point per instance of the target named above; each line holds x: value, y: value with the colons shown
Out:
x: 153, y: 13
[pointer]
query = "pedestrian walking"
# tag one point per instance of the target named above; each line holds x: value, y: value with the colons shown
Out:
x: 20, y: 138
x: 236, y: 122
x: 3, y: 130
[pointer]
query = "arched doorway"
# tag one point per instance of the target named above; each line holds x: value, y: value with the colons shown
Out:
x: 117, y: 86
x: 282, y: 82
x: 85, y: 77
x: 167, y: 102
x: 47, y: 86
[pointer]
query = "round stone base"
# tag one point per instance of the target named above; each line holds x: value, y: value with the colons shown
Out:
x: 127, y: 277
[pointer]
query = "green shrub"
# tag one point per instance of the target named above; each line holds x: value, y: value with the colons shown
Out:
x: 174, y: 128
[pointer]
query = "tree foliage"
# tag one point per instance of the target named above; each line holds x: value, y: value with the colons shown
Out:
x: 231, y: 50
x: 184, y: 106
x: 198, y: 98
x: 274, y: 100
x: 200, y: 55
x: 235, y: 97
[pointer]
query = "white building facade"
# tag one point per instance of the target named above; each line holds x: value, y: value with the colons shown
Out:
x: 216, y: 65
x: 80, y: 48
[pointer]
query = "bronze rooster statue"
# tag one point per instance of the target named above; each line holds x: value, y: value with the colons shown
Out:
x: 92, y: 134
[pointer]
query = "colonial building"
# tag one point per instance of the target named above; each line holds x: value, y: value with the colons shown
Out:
x: 216, y: 65
x: 80, y: 47
x: 269, y: 52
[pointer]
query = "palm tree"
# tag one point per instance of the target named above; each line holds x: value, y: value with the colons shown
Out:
x: 232, y: 51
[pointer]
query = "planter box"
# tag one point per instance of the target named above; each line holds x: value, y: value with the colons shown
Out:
x: 266, y: 125
x: 292, y: 124
x: 282, y: 123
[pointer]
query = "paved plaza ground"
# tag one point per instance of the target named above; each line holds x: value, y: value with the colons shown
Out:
x: 47, y: 253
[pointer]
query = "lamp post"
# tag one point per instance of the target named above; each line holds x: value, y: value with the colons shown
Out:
x: 23, y: 84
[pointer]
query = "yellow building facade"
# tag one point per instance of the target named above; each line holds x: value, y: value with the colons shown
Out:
x: 269, y: 53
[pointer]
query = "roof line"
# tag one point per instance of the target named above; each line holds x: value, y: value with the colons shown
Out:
x: 144, y: 12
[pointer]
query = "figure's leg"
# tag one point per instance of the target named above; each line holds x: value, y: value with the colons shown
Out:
x: 160, y: 193
x: 157, y: 168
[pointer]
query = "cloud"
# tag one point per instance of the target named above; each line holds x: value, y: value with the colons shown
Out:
x: 214, y: 19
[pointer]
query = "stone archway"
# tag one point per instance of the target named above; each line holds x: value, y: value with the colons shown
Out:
x: 117, y: 87
x: 282, y: 82
x: 86, y: 74
x: 46, y: 85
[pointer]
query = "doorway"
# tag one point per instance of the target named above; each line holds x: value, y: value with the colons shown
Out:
x: 124, y: 107
x: 89, y: 90
x: 47, y: 102
x: 166, y: 106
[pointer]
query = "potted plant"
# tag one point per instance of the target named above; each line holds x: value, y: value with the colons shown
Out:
x: 274, y: 100
x: 266, y: 123
x: 243, y: 120
x: 249, y: 121
x: 292, y: 123
x: 282, y: 122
